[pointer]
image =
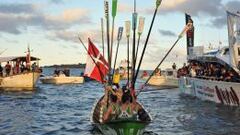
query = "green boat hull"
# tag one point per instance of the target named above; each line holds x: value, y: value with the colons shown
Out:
x: 122, y: 128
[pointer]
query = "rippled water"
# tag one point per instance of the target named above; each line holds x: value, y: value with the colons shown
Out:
x: 65, y: 109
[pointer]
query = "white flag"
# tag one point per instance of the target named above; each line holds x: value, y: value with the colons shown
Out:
x: 234, y: 39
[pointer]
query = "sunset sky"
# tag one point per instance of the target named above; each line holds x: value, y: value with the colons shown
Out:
x: 51, y: 27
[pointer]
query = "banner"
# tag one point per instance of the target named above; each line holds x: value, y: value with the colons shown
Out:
x: 190, y: 33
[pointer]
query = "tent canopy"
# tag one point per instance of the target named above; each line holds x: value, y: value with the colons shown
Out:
x: 15, y: 58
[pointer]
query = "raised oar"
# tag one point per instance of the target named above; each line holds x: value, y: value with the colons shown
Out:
x: 140, y: 31
x: 101, y: 74
x: 158, y: 3
x: 134, y: 25
x: 106, y: 9
x: 102, y: 28
x: 186, y: 28
x: 119, y: 37
x: 127, y: 27
x: 114, y: 13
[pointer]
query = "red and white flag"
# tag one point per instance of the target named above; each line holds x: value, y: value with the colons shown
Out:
x: 96, y: 66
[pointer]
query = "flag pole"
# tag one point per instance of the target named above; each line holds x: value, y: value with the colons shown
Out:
x: 120, y: 31
x: 102, y: 27
x: 101, y: 74
x: 158, y: 3
x: 106, y: 9
x: 128, y: 25
x: 134, y: 25
x: 186, y: 28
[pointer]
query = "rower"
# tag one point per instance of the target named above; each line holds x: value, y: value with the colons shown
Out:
x: 113, y: 110
x: 126, y: 111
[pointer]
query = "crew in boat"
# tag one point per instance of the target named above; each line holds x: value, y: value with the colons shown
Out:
x: 56, y: 72
x: 66, y: 72
x: 174, y: 66
x: 17, y: 66
x: 116, y: 78
x: 22, y: 67
x: 113, y: 110
x: 8, y: 68
x: 34, y: 66
x: 144, y: 74
x: 157, y: 72
x: 126, y: 111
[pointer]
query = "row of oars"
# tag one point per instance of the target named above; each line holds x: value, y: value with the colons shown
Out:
x: 135, y: 67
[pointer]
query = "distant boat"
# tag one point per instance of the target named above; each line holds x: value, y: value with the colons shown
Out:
x: 168, y: 78
x: 25, y: 80
x: 123, y: 69
x: 62, y: 79
x: 226, y: 88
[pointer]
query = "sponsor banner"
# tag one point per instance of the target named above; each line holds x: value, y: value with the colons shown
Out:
x: 226, y: 93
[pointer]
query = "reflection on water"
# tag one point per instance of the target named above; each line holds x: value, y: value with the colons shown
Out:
x: 65, y: 109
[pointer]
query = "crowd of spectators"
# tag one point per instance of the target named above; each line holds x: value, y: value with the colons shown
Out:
x: 212, y: 71
x: 17, y: 67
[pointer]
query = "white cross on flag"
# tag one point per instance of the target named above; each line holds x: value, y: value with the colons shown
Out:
x: 96, y: 66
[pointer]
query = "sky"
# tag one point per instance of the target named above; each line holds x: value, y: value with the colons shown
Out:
x: 51, y: 27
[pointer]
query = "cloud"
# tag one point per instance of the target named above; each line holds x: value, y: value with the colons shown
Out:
x: 233, y: 6
x: 194, y: 7
x: 71, y: 15
x: 72, y: 36
x: 167, y: 33
x: 57, y: 1
x: 17, y: 8
x: 214, y: 9
x: 15, y: 20
x: 124, y: 8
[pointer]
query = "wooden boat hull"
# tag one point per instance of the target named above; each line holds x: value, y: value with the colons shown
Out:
x: 163, y: 81
x: 226, y: 93
x: 118, y: 127
x: 62, y: 80
x: 24, y: 81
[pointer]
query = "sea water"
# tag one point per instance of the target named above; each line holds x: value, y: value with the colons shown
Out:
x: 66, y: 109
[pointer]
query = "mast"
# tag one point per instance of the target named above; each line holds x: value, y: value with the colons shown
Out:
x: 134, y: 25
